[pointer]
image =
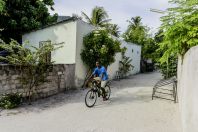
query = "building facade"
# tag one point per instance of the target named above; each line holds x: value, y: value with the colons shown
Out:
x: 70, y: 33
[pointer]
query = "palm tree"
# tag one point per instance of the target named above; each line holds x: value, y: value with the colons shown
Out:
x: 113, y: 29
x: 135, y: 22
x: 98, y: 17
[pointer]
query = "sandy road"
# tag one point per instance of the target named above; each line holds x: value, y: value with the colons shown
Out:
x: 130, y: 109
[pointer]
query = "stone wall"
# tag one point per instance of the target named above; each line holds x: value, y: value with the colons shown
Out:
x: 60, y: 78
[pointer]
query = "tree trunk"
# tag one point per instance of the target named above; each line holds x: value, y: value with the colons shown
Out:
x: 86, y: 78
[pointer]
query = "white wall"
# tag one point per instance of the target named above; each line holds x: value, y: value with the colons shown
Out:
x: 83, y: 29
x: 188, y: 90
x: 114, y: 67
x: 72, y: 33
x: 135, y: 56
x: 134, y: 52
x: 81, y: 70
x: 62, y: 32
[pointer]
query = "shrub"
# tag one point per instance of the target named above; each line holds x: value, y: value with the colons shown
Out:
x: 99, y: 45
x: 10, y: 101
x: 125, y: 63
x: 35, y: 61
x: 169, y: 69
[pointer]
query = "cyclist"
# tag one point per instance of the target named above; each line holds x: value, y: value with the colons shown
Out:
x: 100, y: 75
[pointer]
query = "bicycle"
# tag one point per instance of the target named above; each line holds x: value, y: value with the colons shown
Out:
x: 95, y: 92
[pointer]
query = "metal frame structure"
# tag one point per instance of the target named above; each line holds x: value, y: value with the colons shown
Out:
x: 172, y: 92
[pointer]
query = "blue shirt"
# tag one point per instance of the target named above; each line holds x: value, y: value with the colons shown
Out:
x: 101, y: 71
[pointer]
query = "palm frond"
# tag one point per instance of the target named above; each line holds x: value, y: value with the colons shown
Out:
x: 86, y: 17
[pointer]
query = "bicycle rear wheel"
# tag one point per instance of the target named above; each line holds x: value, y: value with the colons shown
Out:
x: 90, y: 98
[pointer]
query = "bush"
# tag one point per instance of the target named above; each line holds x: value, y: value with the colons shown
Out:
x: 10, y: 101
x: 169, y: 69
x: 36, y: 62
x: 99, y: 45
x: 125, y: 63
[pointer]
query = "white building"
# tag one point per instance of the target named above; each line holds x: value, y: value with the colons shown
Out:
x: 70, y: 32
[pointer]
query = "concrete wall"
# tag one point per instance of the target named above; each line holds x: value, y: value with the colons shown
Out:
x: 62, y: 32
x: 71, y: 34
x: 188, y: 90
x: 81, y: 70
x: 114, y: 67
x: 83, y: 29
x: 9, y: 80
x: 134, y: 52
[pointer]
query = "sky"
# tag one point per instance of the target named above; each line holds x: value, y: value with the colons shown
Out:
x: 118, y: 10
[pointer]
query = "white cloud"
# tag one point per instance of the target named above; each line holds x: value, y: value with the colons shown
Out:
x: 118, y: 10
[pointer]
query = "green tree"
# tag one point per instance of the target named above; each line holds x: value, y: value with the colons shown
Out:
x: 99, y: 17
x: 19, y: 16
x: 113, y: 29
x: 99, y: 45
x: 180, y: 28
x: 149, y: 49
x: 136, y: 31
x: 168, y: 68
x: 33, y: 63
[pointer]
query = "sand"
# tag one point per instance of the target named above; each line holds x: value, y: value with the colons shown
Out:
x: 130, y: 109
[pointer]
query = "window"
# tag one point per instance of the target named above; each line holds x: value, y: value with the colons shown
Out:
x: 132, y: 50
x: 47, y: 57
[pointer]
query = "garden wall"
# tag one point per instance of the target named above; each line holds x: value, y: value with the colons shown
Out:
x: 61, y: 78
x: 188, y: 90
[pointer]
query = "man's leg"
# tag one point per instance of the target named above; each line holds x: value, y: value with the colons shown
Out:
x: 103, y: 84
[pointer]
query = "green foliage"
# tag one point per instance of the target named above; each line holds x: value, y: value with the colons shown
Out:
x: 149, y: 49
x: 19, y: 16
x: 180, y: 28
x: 113, y: 29
x: 125, y: 64
x: 33, y: 63
x: 169, y: 69
x: 136, y: 33
x: 139, y: 34
x: 2, y: 5
x: 99, y: 45
x: 99, y: 17
x: 10, y: 101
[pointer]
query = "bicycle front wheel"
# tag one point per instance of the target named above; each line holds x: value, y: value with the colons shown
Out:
x: 90, y: 98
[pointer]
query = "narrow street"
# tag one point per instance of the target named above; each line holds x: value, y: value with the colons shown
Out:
x: 130, y: 109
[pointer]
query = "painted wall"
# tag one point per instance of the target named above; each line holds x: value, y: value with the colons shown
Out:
x: 81, y: 70
x: 134, y: 52
x: 63, y: 32
x: 71, y: 34
x: 83, y: 29
x: 188, y: 90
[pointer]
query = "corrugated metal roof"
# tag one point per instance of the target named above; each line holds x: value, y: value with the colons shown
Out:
x: 62, y: 18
